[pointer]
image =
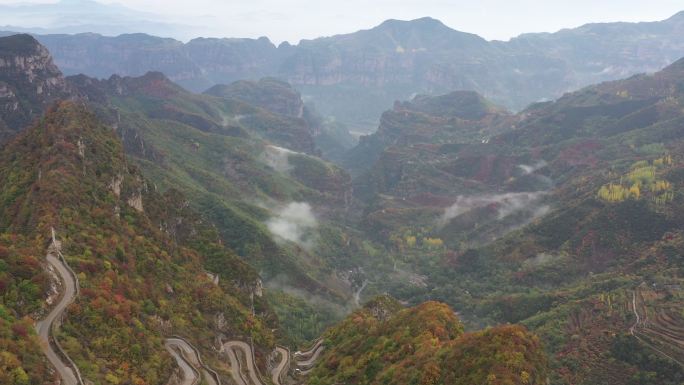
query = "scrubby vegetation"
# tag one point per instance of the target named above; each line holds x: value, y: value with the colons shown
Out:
x: 382, y: 343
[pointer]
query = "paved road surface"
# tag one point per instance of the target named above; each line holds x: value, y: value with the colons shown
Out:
x: 43, y: 327
x: 234, y: 366
x: 192, y: 357
x: 284, y: 361
x: 190, y: 374
x: 251, y: 368
x: 312, y: 360
x: 307, y: 353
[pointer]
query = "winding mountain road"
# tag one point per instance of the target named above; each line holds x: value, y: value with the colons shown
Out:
x: 235, y: 368
x: 191, y: 357
x: 307, y: 353
x: 194, y: 370
x: 190, y: 375
x: 357, y: 294
x: 308, y: 364
x: 306, y: 360
x: 51, y: 322
x: 229, y: 346
x: 186, y: 356
x: 284, y: 363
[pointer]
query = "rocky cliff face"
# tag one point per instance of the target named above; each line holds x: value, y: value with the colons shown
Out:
x: 29, y: 81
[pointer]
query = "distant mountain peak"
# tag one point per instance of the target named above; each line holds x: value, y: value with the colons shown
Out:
x: 468, y: 105
x: 19, y: 44
x: 153, y: 83
x: 270, y: 93
x: 425, y: 33
x: 677, y: 16
x: 423, y: 21
x: 29, y: 80
x: 426, y: 24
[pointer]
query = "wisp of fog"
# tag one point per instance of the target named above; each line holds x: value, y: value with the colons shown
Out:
x: 294, y: 223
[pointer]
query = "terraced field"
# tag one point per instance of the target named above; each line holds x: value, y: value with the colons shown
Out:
x: 659, y: 327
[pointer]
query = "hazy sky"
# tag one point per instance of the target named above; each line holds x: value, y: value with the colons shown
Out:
x: 296, y: 19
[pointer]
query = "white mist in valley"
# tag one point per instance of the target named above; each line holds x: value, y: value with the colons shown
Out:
x: 277, y: 158
x: 531, y: 168
x: 541, y: 259
x: 294, y: 223
x: 505, y: 205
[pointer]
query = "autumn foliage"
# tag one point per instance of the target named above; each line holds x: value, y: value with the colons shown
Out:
x: 140, y: 266
x: 426, y: 344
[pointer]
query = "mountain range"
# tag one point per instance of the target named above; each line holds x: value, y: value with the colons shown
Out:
x: 75, y: 16
x: 354, y: 77
x: 551, y: 235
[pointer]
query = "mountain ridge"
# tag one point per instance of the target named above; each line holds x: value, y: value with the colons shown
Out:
x: 355, y: 76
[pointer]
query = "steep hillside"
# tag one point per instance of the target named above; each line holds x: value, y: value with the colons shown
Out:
x: 331, y: 138
x: 356, y: 76
x: 568, y: 221
x: 228, y: 116
x: 140, y: 257
x: 425, y: 344
x: 280, y: 210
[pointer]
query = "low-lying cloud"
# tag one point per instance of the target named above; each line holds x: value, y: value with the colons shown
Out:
x: 541, y: 259
x: 294, y: 223
x: 529, y: 169
x: 277, y: 158
x: 505, y: 204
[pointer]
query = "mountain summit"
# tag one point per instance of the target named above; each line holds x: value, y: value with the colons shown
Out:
x: 29, y: 81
